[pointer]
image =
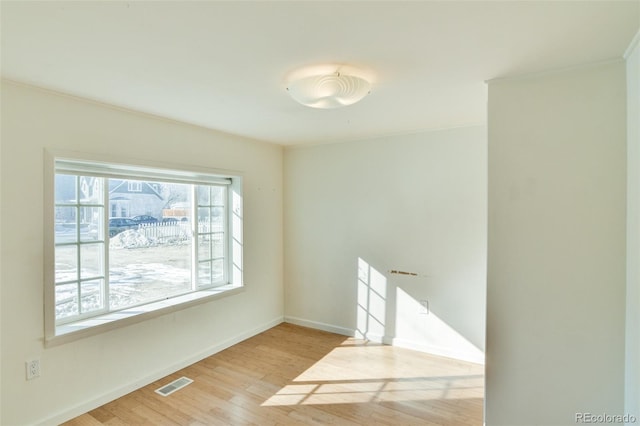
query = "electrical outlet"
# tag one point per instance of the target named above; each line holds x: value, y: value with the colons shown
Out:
x: 424, y: 307
x: 33, y: 369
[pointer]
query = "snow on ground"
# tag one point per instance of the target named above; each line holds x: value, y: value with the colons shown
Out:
x: 130, y: 239
x: 141, y: 270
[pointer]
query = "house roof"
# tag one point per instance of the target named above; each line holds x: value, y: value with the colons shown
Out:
x: 117, y: 186
x: 223, y: 65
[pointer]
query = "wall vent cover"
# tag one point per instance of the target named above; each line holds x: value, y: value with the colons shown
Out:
x: 177, y: 384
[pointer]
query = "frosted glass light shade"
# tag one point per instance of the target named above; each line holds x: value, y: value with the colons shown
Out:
x: 329, y: 90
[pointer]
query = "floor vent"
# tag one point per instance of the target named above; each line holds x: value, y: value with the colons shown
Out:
x: 177, y: 384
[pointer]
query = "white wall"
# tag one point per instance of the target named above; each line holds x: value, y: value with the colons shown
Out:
x: 632, y: 374
x: 415, y: 203
x: 90, y: 371
x: 1, y: 257
x: 556, y: 260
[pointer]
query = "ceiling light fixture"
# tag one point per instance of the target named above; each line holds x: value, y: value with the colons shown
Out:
x: 326, y: 88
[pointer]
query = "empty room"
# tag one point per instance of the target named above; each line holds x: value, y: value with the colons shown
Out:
x: 320, y: 212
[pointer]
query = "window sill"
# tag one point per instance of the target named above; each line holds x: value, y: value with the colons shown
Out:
x: 102, y: 323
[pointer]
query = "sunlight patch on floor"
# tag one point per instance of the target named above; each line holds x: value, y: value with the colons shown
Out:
x: 373, y: 391
x: 383, y: 379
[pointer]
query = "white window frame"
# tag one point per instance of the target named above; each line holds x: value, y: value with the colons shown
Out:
x: 57, y: 332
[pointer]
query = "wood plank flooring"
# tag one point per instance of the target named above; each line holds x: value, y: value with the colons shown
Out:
x: 291, y: 375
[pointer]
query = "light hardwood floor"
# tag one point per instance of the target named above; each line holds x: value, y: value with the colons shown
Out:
x: 291, y: 375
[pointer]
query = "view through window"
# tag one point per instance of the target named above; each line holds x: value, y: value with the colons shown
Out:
x: 122, y: 242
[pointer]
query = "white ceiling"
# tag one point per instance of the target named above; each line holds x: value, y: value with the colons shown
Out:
x: 222, y: 65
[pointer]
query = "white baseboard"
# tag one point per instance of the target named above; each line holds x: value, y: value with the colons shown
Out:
x: 475, y: 357
x: 93, y: 403
x: 320, y: 326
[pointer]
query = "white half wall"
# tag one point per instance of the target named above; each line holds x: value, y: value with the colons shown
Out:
x: 632, y: 373
x: 415, y: 203
x: 556, y: 260
x: 80, y: 375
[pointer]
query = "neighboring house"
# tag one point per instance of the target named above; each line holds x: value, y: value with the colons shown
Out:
x: 65, y: 193
x: 90, y: 189
x: 129, y: 198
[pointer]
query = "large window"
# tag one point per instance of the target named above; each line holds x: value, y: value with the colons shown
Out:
x: 126, y: 237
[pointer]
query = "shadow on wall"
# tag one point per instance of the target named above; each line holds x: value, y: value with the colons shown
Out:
x: 388, y: 313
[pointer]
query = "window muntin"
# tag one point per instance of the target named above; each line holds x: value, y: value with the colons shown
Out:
x: 79, y: 246
x: 100, y: 269
x: 212, y: 241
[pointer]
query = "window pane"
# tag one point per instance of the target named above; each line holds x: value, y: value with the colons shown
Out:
x: 91, y: 260
x: 151, y: 262
x: 204, y: 247
x: 217, y: 218
x: 204, y: 274
x: 203, y: 195
x: 65, y: 189
x: 217, y: 270
x: 218, y: 195
x: 66, y: 227
x: 204, y: 224
x: 144, y: 274
x: 90, y: 190
x: 66, y: 300
x: 91, y: 223
x: 218, y: 246
x: 66, y: 263
x: 175, y: 203
x: 92, y: 295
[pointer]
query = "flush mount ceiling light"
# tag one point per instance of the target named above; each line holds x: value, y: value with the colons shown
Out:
x: 328, y: 86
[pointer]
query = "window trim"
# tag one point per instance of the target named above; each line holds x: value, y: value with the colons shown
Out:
x: 141, y: 169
